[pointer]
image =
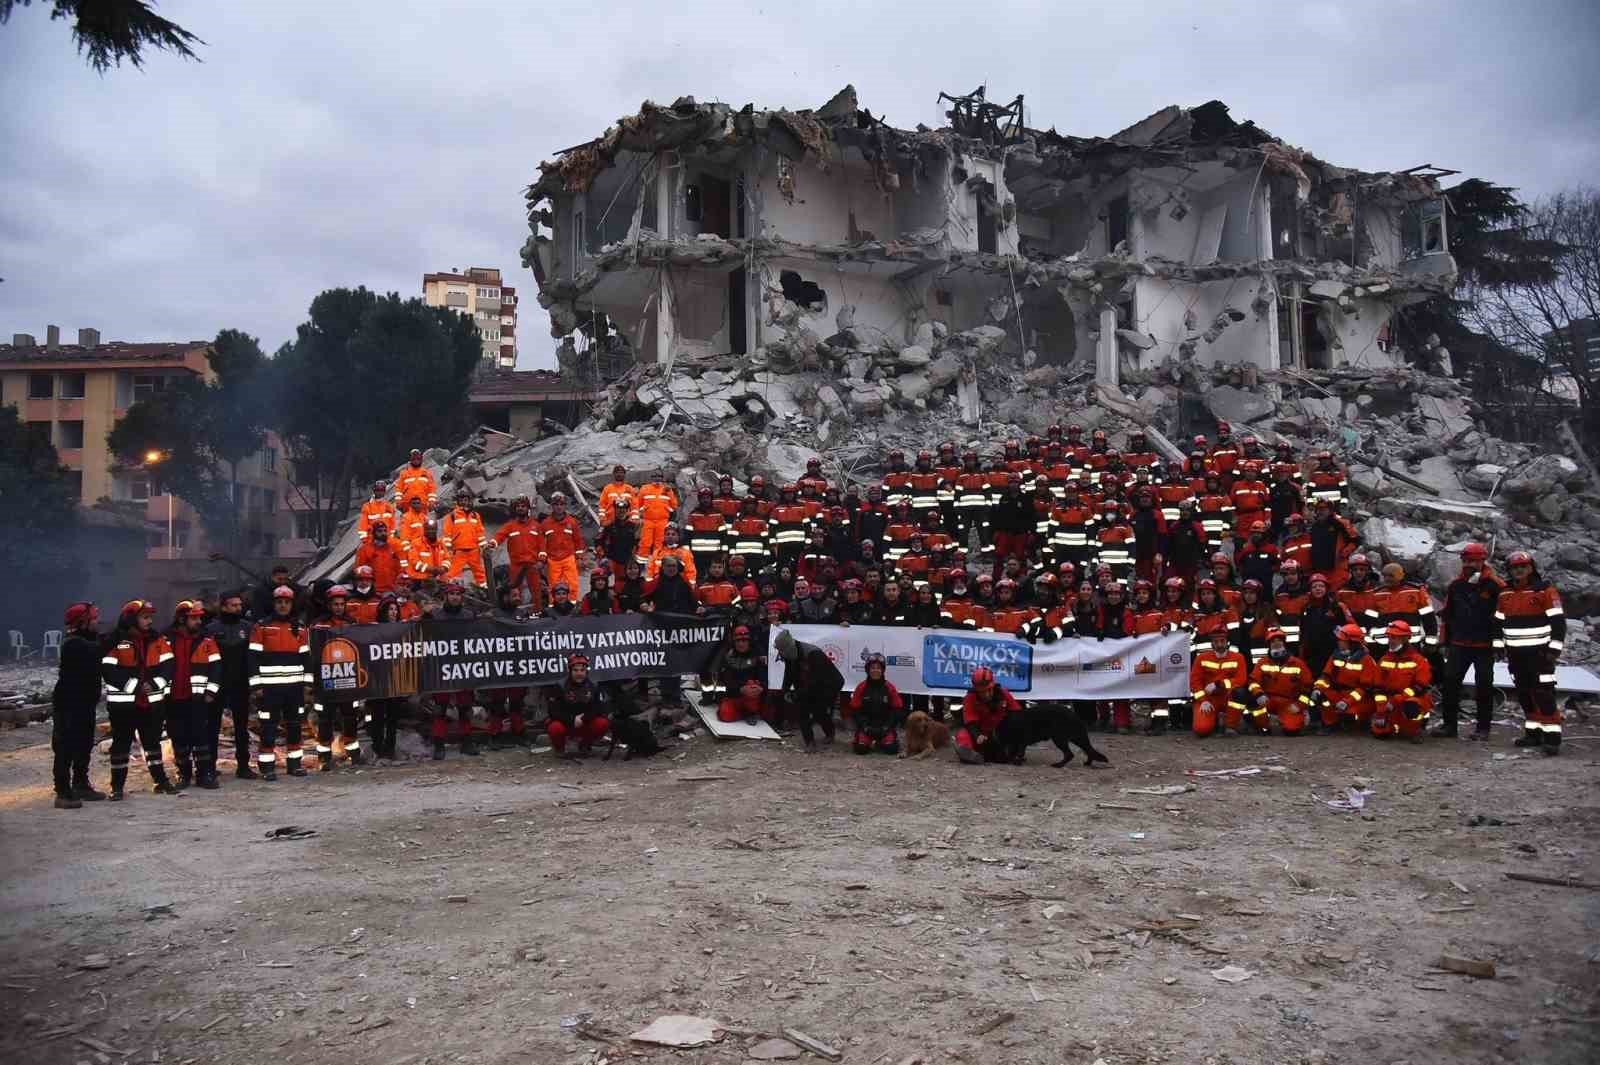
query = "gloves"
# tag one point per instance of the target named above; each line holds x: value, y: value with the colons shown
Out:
x: 1261, y: 700
x: 1342, y: 707
x: 1048, y: 636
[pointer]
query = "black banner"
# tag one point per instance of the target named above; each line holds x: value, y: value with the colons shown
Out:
x: 417, y: 657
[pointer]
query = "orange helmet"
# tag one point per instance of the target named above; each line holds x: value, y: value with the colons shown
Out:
x: 1353, y: 633
x: 1398, y: 628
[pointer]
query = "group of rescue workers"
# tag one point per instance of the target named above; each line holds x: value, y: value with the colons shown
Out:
x: 1056, y: 538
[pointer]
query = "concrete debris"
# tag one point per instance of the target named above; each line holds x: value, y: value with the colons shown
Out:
x: 1236, y: 406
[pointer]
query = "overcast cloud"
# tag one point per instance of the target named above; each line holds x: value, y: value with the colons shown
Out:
x: 308, y: 151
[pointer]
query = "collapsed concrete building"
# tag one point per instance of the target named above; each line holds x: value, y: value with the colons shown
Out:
x: 699, y: 230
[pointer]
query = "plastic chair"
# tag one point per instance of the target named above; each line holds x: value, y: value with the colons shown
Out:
x: 19, y: 647
x: 52, y: 642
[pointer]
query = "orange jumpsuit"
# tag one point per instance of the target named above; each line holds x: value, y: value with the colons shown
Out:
x: 463, y: 531
x: 524, y: 551
x: 377, y: 510
x: 563, y: 543
x: 1286, y: 685
x: 1228, y: 673
x: 608, y: 500
x: 1350, y: 681
x: 685, y: 559
x: 425, y: 560
x: 1401, y: 698
x: 415, y: 482
x: 411, y: 527
x: 388, y: 563
x: 657, y: 505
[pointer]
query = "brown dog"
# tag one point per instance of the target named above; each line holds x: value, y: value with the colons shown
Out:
x: 923, y: 736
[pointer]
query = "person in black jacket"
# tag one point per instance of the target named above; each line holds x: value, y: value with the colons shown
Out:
x: 811, y: 686
x: 231, y: 632
x: 261, y: 602
x: 72, y: 705
x: 669, y: 593
x: 1466, y: 629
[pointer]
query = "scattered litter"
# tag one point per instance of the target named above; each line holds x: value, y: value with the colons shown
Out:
x: 1169, y: 980
x: 988, y: 1026
x: 1165, y: 789
x: 159, y: 910
x: 355, y: 935
x: 1355, y: 799
x: 578, y: 1020
x: 1052, y: 911
x: 915, y: 856
x: 455, y: 898
x: 1243, y: 771
x: 94, y: 961
x: 1481, y: 820
x: 276, y: 965
x: 1553, y: 881
x: 676, y: 1030
x: 1114, y: 806
x: 1231, y: 974
x: 1483, y: 970
x: 1136, y: 835
x: 903, y: 920
x: 291, y: 832
x: 816, y: 1046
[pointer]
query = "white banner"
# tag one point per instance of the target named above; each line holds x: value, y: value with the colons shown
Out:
x: 940, y: 661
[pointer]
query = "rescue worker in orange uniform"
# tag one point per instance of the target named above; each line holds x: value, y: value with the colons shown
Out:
x: 1531, y: 626
x: 464, y: 534
x: 377, y: 509
x: 1218, y: 679
x: 412, y: 521
x: 670, y: 546
x: 1280, y: 687
x: 708, y: 527
x: 1403, y: 697
x: 619, y: 488
x: 280, y: 681
x: 1402, y: 600
x: 428, y: 557
x: 196, y: 679
x: 416, y: 482
x: 985, y: 706
x: 1345, y: 689
x: 563, y: 544
x: 136, y: 670
x: 384, y: 557
x: 333, y: 709
x: 524, y: 544
x: 658, y: 505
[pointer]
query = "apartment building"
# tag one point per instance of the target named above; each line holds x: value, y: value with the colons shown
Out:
x: 75, y: 393
x: 479, y: 294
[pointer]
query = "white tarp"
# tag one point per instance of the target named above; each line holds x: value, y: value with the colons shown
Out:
x: 940, y: 661
x: 1573, y: 680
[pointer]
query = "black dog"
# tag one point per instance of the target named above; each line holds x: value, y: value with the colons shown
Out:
x: 636, y: 735
x: 1062, y: 727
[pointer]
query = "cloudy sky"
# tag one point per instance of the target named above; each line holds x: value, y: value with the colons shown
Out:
x: 322, y: 144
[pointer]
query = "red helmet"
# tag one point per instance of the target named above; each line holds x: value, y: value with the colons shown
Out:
x: 1399, y: 628
x: 378, y: 486
x: 1074, y: 430
x: 897, y: 455
x: 777, y: 604
x: 1224, y: 427
x: 947, y: 446
x: 1200, y: 441
x: 1045, y: 580
x: 1276, y: 633
x: 1358, y: 559
x: 338, y: 591
x: 363, y: 571
x: 1258, y: 527
x: 1289, y: 566
x: 189, y: 606
x: 1353, y: 633
x: 983, y: 678
x: 1324, y: 456
x: 578, y: 659
x: 1222, y: 557
x: 705, y: 493
x: 750, y: 591
x: 1519, y: 558
x: 282, y: 591
x: 1178, y: 582
x: 758, y: 481
x: 78, y: 614
x: 1114, y: 587
x: 1098, y: 435
x: 813, y: 464
x: 1474, y: 553
x: 1142, y: 585
x: 1284, y: 445
x: 1034, y: 442
x: 1206, y: 584
x: 559, y: 499
x: 1054, y: 430
x: 1005, y: 584
x: 741, y: 632
x: 1067, y: 569
x: 1319, y: 578
x: 601, y: 573
x: 726, y: 479
x: 985, y: 578
x: 1251, y: 585
x: 924, y: 456
x: 1296, y: 518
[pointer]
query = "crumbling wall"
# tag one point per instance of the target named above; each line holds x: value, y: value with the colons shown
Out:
x: 1208, y: 322
x: 964, y: 198
x: 837, y: 205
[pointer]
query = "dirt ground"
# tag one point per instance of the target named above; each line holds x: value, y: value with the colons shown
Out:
x: 517, y: 909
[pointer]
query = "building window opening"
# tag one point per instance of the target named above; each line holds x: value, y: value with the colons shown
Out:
x: 806, y: 294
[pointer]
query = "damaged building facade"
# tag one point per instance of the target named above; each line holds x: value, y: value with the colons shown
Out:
x: 804, y: 237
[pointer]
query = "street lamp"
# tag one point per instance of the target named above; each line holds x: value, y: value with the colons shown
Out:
x: 154, y: 458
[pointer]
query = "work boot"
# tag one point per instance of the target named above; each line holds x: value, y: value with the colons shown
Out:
x: 296, y: 768
x: 1445, y: 732
x: 269, y: 773
x: 356, y: 757
x: 1551, y: 748
x: 68, y: 802
x: 209, y: 781
x: 501, y: 741
x: 968, y: 756
x: 116, y: 795
x: 326, y: 760
x: 163, y: 786
x: 438, y: 750
x: 244, y: 772
x: 83, y: 791
x: 185, y: 775
x: 1529, y: 739
x: 1479, y: 734
x: 469, y: 746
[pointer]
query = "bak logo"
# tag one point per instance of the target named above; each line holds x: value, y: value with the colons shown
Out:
x: 341, y: 666
x: 949, y: 661
x: 1104, y: 665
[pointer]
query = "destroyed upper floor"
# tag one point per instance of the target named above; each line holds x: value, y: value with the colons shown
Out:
x: 698, y: 228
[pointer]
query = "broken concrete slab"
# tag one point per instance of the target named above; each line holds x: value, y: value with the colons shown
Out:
x: 943, y: 370
x: 1448, y: 414
x: 788, y: 461
x: 1328, y: 289
x: 1136, y: 340
x: 1540, y: 476
x: 914, y: 356
x: 968, y: 400
x: 1231, y: 404
x: 1326, y: 409
x: 912, y: 386
x: 1043, y: 377
x: 1406, y: 544
x: 832, y: 404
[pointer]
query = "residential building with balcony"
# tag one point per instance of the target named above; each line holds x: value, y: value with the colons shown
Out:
x: 479, y: 294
